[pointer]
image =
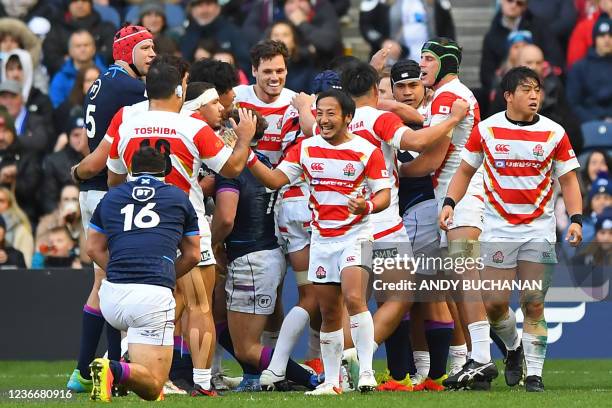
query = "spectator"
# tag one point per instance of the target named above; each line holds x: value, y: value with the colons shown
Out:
x: 300, y: 67
x: 10, y: 258
x: 589, y: 89
x: 582, y: 37
x: 18, y: 228
x: 59, y: 251
x: 598, y: 161
x: 32, y: 131
x: 559, y: 15
x: 205, y: 49
x: 80, y: 15
x: 410, y: 22
x: 585, y: 9
x: 28, y: 10
x: 553, y: 103
x: 152, y: 16
x: 67, y: 214
x: 600, y: 197
x: 206, y: 21
x: 56, y: 166
x: 17, y: 65
x: 82, y: 52
x: 84, y: 79
x: 14, y: 34
x: 316, y: 21
x: 16, y: 161
x: 514, y: 16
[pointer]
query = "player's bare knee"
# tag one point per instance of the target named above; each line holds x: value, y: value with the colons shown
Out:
x: 496, y: 310
x: 533, y: 310
x: 354, y: 303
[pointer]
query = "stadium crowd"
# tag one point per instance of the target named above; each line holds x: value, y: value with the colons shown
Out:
x: 53, y: 52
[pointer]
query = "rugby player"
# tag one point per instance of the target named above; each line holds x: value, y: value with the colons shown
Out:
x: 186, y: 143
x: 134, y: 235
x: 348, y: 181
x: 120, y: 86
x: 519, y: 233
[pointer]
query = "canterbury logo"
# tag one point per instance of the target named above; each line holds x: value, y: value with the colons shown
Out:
x: 316, y: 166
x: 502, y: 148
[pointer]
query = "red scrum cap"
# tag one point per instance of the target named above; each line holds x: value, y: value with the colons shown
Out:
x: 126, y: 39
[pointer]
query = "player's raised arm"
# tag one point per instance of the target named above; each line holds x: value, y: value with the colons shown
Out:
x: 407, y: 113
x: 245, y: 130
x: 303, y: 103
x: 419, y: 140
x: 273, y: 179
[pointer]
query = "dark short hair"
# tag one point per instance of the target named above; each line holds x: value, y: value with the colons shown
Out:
x: 359, y: 79
x: 195, y: 89
x: 266, y: 50
x: 148, y: 160
x: 347, y: 105
x: 517, y: 76
x: 165, y: 74
x: 221, y: 74
x: 260, y: 126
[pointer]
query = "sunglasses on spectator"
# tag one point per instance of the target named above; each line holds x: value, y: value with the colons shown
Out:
x: 520, y: 3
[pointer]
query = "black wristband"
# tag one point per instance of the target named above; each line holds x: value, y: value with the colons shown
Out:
x: 576, y: 219
x: 75, y: 173
x: 449, y: 201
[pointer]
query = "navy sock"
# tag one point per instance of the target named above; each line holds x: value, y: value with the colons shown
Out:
x: 400, y: 361
x: 499, y: 342
x: 299, y: 375
x: 181, y: 367
x: 93, y: 323
x: 225, y: 340
x: 438, y: 335
x: 113, y: 338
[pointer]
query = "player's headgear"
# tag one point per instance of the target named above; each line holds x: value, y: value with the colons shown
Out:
x: 405, y: 70
x: 126, y: 40
x: 326, y: 80
x: 448, y: 54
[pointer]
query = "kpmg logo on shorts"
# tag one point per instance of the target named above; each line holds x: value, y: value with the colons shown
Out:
x: 141, y: 193
x: 321, y: 273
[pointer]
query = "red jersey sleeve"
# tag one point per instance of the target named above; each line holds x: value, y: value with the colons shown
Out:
x: 387, y: 125
x: 376, y: 171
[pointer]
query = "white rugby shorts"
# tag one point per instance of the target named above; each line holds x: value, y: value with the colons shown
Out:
x: 294, y: 218
x: 329, y: 258
x: 146, y: 312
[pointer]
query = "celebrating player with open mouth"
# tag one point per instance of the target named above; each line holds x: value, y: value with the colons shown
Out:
x: 348, y: 181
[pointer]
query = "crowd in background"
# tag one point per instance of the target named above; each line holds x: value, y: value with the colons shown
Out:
x: 51, y: 51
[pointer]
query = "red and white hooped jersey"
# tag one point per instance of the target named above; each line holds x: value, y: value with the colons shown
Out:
x: 277, y: 114
x: 384, y: 130
x: 520, y: 163
x: 186, y: 141
x: 438, y: 110
x: 335, y: 174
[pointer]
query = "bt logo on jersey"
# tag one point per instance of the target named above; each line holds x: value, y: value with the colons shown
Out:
x: 502, y: 148
x: 143, y: 193
x: 317, y: 167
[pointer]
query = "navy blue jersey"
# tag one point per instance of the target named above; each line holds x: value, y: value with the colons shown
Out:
x: 254, y: 223
x: 144, y: 221
x: 109, y: 93
x: 413, y: 190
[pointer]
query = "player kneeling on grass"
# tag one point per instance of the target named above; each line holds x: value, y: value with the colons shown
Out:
x: 133, y: 235
x: 522, y: 152
x: 348, y: 180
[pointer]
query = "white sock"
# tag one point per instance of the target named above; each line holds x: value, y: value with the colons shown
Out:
x: 506, y: 330
x: 534, y: 348
x: 268, y: 338
x: 289, y: 334
x: 362, y: 332
x: 314, y: 344
x: 457, y: 356
x: 332, y: 344
x: 201, y: 376
x: 217, y: 363
x: 421, y: 362
x: 480, y: 333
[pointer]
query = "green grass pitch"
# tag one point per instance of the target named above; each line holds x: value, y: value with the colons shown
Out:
x: 568, y: 383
